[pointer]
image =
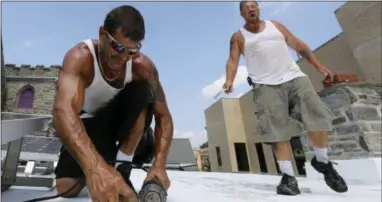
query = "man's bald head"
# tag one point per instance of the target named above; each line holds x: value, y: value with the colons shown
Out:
x: 242, y: 3
x: 250, y: 11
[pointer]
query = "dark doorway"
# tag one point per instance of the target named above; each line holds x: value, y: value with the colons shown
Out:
x: 261, y: 157
x: 298, y: 154
x: 241, y: 157
x: 218, y: 156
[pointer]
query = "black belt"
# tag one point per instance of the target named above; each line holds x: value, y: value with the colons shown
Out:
x: 249, y: 80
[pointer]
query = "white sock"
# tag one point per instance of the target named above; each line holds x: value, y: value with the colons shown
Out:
x: 286, y: 167
x: 123, y: 157
x: 321, y: 154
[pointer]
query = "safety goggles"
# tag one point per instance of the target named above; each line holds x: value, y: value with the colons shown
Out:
x: 120, y: 48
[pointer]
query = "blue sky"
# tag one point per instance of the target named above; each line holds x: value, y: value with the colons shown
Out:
x: 188, y: 41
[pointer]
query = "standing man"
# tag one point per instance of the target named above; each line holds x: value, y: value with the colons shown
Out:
x: 281, y: 89
x: 118, y: 87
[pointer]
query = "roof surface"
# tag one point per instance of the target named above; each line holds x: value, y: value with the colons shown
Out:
x: 226, y: 187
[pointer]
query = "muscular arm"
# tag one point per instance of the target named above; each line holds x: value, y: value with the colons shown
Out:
x: 68, y: 103
x: 298, y: 45
x: 163, y: 121
x: 234, y: 56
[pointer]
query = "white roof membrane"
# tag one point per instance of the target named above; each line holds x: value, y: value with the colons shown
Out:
x: 189, y: 186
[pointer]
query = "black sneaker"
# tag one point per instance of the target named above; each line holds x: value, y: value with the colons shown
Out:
x: 332, y: 178
x: 288, y: 186
x: 125, y: 170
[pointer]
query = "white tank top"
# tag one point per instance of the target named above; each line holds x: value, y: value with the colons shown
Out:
x: 100, y: 92
x: 267, y: 56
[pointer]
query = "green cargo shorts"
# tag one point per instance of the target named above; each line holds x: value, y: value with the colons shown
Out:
x: 275, y: 105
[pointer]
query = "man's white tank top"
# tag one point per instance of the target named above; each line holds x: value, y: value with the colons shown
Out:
x: 100, y: 92
x: 267, y: 56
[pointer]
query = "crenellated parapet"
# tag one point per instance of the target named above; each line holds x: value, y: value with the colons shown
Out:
x: 24, y: 70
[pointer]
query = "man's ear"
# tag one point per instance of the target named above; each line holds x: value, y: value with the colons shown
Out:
x: 101, y: 31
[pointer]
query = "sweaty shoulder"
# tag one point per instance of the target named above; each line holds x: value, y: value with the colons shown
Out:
x: 237, y: 41
x: 237, y: 36
x: 143, y: 66
x: 78, y: 60
x: 142, y: 60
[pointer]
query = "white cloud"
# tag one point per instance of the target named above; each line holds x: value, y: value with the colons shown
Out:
x: 28, y: 43
x: 237, y: 5
x: 215, y: 87
x: 183, y: 134
x: 276, y: 8
x: 266, y: 4
x: 196, y: 137
x: 282, y: 7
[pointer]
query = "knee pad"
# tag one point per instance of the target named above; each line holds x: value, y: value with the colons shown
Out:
x: 146, y: 148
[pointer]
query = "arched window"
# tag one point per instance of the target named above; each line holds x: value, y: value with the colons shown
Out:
x: 25, y: 97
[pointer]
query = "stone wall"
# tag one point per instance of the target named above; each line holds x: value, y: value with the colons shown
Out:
x: 42, y: 79
x: 3, y: 87
x: 44, y: 96
x: 24, y: 70
x: 357, y: 123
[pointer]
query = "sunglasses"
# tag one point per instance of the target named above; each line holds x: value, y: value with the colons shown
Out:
x: 120, y: 48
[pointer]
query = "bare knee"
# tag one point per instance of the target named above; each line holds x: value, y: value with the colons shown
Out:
x: 139, y: 125
x: 280, y: 145
x: 319, y: 138
x: 132, y: 140
x: 66, y: 184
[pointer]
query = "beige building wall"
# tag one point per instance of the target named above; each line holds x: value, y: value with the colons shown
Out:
x: 235, y: 129
x: 249, y: 128
x: 226, y: 117
x: 361, y: 25
x: 223, y: 118
x: 357, y: 50
x: 198, y: 159
x: 201, y: 158
x: 336, y: 55
x: 253, y: 137
x: 217, y: 138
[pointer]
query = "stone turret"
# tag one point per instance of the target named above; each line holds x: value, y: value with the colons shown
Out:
x: 39, y: 77
x: 31, y: 71
x: 39, y: 80
x: 3, y: 84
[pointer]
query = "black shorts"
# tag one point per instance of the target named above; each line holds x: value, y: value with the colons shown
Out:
x: 110, y: 125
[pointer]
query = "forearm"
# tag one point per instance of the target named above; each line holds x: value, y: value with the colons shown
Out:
x: 231, y: 70
x: 163, y: 138
x: 73, y: 135
x: 304, y: 51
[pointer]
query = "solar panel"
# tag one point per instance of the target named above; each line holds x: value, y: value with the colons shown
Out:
x: 36, y: 144
x: 4, y: 147
x: 53, y: 147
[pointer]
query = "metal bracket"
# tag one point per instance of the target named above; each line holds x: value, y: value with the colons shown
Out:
x: 47, y: 181
x: 8, y: 176
x: 35, y: 174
